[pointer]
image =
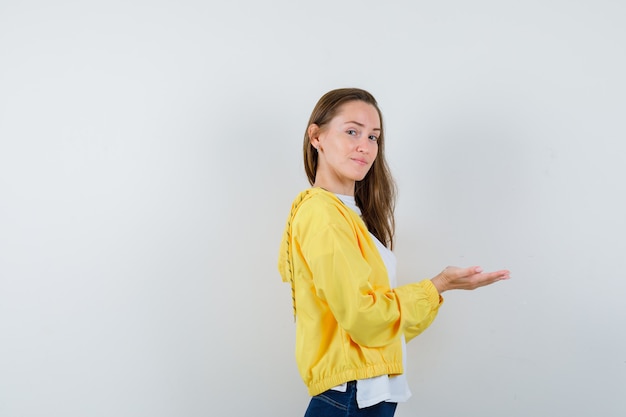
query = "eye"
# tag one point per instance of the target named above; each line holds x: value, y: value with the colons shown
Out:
x: 373, y: 138
x: 351, y: 132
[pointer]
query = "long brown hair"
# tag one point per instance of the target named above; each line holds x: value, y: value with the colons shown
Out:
x: 375, y: 195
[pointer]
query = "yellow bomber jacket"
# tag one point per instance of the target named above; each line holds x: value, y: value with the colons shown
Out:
x: 349, y: 322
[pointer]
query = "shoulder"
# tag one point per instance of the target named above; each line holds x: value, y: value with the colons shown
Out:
x: 316, y: 211
x: 319, y: 204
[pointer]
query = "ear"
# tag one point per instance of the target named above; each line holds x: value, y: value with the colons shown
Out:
x: 314, y: 134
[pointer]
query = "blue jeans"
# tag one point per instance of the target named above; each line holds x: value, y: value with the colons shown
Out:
x: 343, y: 404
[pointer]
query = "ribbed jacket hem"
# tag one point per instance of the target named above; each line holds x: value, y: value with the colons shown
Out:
x: 317, y: 387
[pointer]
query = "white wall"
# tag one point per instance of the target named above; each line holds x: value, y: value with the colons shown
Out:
x: 150, y: 150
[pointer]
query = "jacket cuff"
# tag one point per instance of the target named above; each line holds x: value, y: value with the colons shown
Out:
x: 433, y: 295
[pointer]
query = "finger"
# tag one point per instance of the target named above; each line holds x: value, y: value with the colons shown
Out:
x: 472, y: 270
x: 491, y: 277
x: 503, y: 272
x: 463, y: 272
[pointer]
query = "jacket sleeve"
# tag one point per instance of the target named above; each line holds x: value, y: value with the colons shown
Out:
x: 372, y: 316
x: 424, y: 299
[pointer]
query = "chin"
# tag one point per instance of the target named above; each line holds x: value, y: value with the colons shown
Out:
x: 362, y: 176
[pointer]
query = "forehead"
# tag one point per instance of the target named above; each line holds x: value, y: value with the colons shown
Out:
x: 360, y: 112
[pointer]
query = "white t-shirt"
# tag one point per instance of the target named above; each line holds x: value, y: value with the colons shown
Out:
x: 395, y: 388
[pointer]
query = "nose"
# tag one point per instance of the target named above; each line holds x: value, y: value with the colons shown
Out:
x: 364, y: 145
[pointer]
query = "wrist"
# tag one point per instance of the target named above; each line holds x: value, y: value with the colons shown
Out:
x: 439, y: 283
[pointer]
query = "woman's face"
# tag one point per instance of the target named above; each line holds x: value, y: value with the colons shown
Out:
x: 347, y: 147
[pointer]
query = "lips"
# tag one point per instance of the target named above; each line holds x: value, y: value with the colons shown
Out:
x: 360, y: 161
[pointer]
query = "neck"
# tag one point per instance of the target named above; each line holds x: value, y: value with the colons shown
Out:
x: 335, y: 187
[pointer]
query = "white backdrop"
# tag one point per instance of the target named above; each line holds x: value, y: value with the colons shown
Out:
x: 150, y: 150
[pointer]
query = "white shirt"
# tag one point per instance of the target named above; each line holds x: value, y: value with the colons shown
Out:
x: 395, y: 388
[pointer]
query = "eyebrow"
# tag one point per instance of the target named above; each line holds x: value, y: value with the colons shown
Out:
x: 360, y: 124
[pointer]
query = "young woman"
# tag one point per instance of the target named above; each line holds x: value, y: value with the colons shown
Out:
x: 352, y: 321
